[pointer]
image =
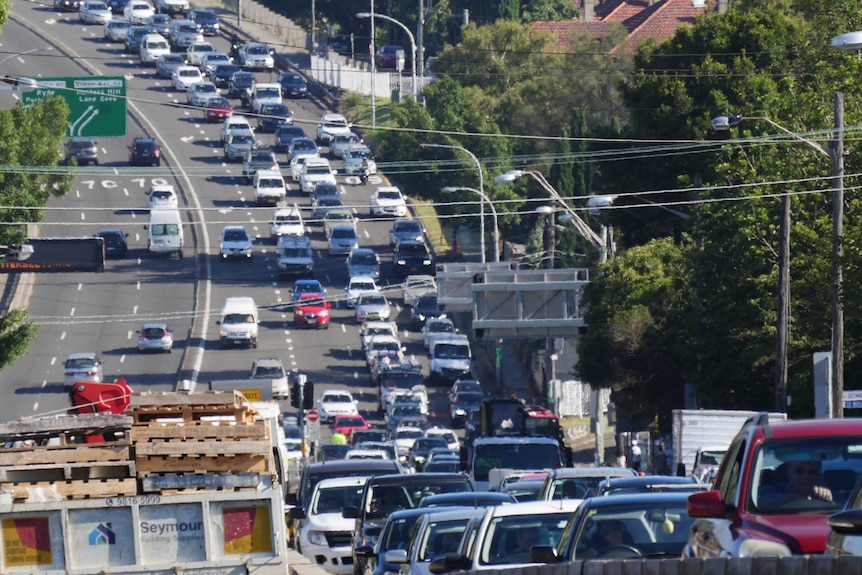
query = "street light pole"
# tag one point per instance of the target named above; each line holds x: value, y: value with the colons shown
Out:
x: 373, y: 15
x: 834, y: 152
x: 481, y: 192
x: 484, y: 197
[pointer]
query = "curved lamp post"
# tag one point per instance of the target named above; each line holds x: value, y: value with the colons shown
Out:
x: 451, y: 189
x: 16, y: 82
x: 481, y: 186
x: 580, y: 225
x: 409, y: 35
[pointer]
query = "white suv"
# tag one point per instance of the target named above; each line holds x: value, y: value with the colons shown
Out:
x: 388, y: 201
x: 235, y: 243
x: 152, y: 47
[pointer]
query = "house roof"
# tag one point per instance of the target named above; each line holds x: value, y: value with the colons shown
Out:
x: 642, y: 21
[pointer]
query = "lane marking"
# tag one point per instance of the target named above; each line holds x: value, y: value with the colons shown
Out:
x: 72, y: 312
x: 53, y: 360
x: 80, y: 286
x: 62, y: 336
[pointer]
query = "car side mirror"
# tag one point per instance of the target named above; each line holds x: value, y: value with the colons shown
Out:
x: 296, y: 513
x: 218, y: 322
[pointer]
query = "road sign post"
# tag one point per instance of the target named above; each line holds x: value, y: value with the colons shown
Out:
x: 97, y: 104
x: 313, y: 426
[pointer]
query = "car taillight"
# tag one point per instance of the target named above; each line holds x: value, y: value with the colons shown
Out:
x: 157, y: 151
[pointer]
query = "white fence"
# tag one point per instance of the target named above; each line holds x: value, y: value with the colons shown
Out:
x: 343, y: 76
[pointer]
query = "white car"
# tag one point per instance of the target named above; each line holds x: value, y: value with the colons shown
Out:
x: 379, y: 346
x: 354, y: 157
x: 324, y: 524
x: 447, y: 434
x: 336, y: 402
x: 82, y: 367
x: 162, y: 196
x: 116, y: 30
x: 357, y: 285
x: 235, y: 243
x: 404, y: 437
x: 372, y: 329
x: 269, y: 188
x: 256, y: 55
x: 330, y: 126
x: 388, y: 201
x: 342, y: 239
x: 153, y: 47
x: 235, y: 122
x: 337, y: 217
x: 286, y: 222
x: 138, y: 11
x: 197, y: 51
x: 200, y: 93
x: 372, y: 306
x: 315, y: 171
x: 94, y: 12
x: 185, y: 76
x: 209, y: 61
x: 437, y: 328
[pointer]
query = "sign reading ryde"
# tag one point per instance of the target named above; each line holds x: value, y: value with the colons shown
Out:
x: 97, y: 104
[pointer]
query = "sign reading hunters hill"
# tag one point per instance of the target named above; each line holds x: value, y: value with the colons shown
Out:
x: 97, y: 104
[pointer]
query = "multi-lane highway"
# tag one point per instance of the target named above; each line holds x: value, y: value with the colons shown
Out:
x: 101, y: 311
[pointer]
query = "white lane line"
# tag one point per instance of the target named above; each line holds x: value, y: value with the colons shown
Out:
x: 83, y: 216
x: 44, y: 382
x: 126, y: 191
x: 71, y: 313
x: 129, y: 334
x: 355, y: 375
x: 36, y: 406
x: 53, y: 360
x: 137, y: 237
x: 123, y: 358
x: 343, y: 328
x: 137, y: 285
x: 134, y: 310
x: 80, y: 286
x: 62, y: 336
x: 367, y: 235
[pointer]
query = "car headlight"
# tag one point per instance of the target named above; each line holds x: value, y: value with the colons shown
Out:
x: 317, y: 538
x: 419, y: 459
x: 460, y: 411
x: 426, y: 262
x: 421, y: 317
x: 222, y: 333
x: 402, y: 262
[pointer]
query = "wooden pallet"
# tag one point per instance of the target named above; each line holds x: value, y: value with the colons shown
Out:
x: 65, y: 490
x: 241, y: 463
x: 148, y: 407
x: 198, y: 431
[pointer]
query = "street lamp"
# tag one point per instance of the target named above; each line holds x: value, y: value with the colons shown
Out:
x: 580, y: 225
x: 16, y: 82
x: 834, y: 152
x: 450, y: 189
x: 481, y: 188
x: 409, y: 35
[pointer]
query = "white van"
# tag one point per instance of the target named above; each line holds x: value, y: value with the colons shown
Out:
x: 238, y: 323
x: 165, y: 232
x: 153, y: 46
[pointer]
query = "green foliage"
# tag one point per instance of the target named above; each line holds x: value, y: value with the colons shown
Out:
x: 4, y: 13
x: 555, y: 10
x: 30, y: 139
x: 16, y: 333
x: 640, y: 316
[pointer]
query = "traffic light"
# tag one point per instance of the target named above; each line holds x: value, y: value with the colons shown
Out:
x: 294, y: 395
x: 308, y: 395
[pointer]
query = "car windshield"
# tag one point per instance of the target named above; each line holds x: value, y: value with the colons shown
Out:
x: 408, y: 227
x: 162, y: 196
x: 365, y: 285
x: 187, y: 28
x: 332, y: 499
x: 412, y: 250
x: 81, y: 144
x: 235, y: 236
x: 257, y: 49
x: 204, y: 88
x: 343, y: 233
x: 351, y: 420
x: 243, y: 78
x: 205, y: 17
x: 173, y: 59
x: 386, y: 345
x: 405, y: 410
x: 268, y: 93
x: 372, y: 299
x: 189, y: 73
x: 242, y: 139
x: 317, y: 170
x: 468, y: 398
x: 292, y: 78
x: 276, y: 183
x: 398, y: 532
x: 335, y: 124
x: 514, y: 456
x: 165, y: 229
x: 333, y: 398
x: 219, y: 103
x: 364, y: 259
x: 274, y: 371
x: 120, y: 24
x: 389, y: 195
x: 304, y: 145
x: 500, y: 545
x: 441, y: 327
x: 262, y: 157
x: 787, y: 471
x: 427, y: 304
x: 452, y: 351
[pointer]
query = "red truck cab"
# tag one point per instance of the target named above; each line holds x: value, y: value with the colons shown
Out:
x: 776, y: 488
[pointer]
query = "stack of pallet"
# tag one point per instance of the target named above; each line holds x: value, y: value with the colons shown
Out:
x: 41, y: 459
x: 202, y: 441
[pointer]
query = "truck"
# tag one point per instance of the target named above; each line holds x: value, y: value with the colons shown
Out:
x: 295, y: 257
x: 395, y: 376
x: 513, y: 437
x: 267, y: 381
x: 710, y: 430
x: 186, y: 482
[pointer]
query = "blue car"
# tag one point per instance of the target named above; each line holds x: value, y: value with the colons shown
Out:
x: 307, y: 286
x: 285, y: 134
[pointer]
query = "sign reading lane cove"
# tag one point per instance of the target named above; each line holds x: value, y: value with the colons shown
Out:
x: 97, y: 104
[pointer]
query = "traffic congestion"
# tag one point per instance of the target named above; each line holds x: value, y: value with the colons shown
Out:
x: 254, y: 243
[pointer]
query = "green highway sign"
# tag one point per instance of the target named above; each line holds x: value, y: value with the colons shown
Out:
x: 97, y: 104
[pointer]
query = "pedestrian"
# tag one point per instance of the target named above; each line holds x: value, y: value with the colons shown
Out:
x: 636, y: 456
x: 339, y: 438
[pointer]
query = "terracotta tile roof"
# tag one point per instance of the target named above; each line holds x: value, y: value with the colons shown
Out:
x: 642, y: 21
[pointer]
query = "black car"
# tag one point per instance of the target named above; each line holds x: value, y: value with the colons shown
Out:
x: 84, y: 150
x: 425, y: 307
x: 207, y: 22
x: 222, y: 74
x: 293, y: 85
x: 272, y: 116
x: 67, y: 5
x: 115, y: 242
x: 285, y: 134
x: 240, y: 85
x: 412, y: 258
x: 463, y: 403
x: 421, y: 448
x: 116, y: 6
x: 145, y: 152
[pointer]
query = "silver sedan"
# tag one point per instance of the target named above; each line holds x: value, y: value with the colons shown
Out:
x: 155, y: 337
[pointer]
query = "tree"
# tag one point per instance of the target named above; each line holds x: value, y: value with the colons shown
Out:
x: 640, y: 316
x: 555, y: 10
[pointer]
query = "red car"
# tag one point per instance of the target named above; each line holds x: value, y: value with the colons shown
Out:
x: 775, y: 489
x: 311, y: 310
x: 347, y: 423
x: 218, y: 109
x: 387, y: 57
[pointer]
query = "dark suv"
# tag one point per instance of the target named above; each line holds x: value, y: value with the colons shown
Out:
x: 84, y: 150
x: 387, y: 493
x: 412, y: 258
x: 115, y: 242
x: 776, y: 487
x: 145, y: 152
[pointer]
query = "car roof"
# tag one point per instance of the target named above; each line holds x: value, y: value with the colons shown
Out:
x: 535, y: 508
x: 467, y: 497
x: 82, y: 355
x: 268, y: 361
x: 372, y: 465
x: 149, y: 325
x: 342, y: 482
x: 603, y: 472
x: 629, y: 500
x: 422, y: 477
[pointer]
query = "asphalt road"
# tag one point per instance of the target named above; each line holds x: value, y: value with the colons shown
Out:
x: 101, y: 311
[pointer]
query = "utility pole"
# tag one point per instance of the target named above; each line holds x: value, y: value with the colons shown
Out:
x: 420, y: 37
x: 837, y: 153
x: 550, y: 363
x: 783, y: 319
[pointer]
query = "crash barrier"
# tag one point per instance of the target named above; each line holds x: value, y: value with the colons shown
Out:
x: 795, y: 565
